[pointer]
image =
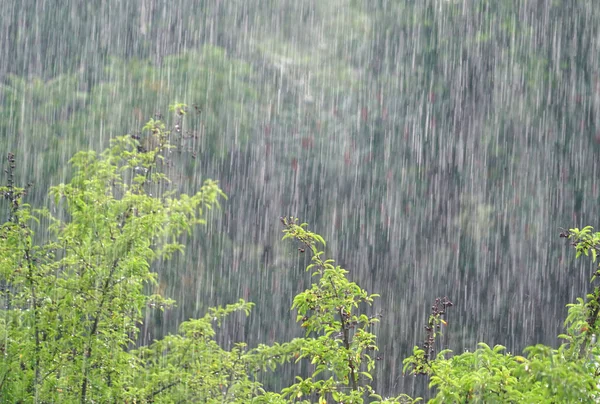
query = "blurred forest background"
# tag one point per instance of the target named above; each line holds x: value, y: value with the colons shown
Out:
x: 438, y: 145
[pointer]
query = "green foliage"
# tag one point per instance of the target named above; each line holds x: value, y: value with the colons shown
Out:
x: 192, y: 366
x: 296, y: 77
x: 491, y: 375
x: 342, y: 342
x: 72, y: 305
x: 567, y: 374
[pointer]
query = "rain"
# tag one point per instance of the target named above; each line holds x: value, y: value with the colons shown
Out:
x: 439, y: 146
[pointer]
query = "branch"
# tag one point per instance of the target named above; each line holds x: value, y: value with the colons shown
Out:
x: 88, y: 351
x: 160, y: 390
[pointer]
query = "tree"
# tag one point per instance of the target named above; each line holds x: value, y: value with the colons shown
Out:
x: 72, y: 305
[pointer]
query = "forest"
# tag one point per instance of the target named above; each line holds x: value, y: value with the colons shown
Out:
x: 440, y: 147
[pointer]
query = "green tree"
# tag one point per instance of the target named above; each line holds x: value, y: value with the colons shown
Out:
x: 72, y: 305
x: 339, y: 341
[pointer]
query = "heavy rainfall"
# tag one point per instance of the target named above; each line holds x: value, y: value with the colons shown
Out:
x: 438, y: 146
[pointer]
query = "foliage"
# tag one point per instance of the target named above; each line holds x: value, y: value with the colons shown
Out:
x: 414, y: 93
x: 73, y: 304
x: 340, y: 342
x: 569, y: 373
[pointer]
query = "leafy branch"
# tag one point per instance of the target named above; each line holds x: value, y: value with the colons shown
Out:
x: 344, y: 339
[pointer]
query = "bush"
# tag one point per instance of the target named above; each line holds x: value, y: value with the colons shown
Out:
x: 567, y: 374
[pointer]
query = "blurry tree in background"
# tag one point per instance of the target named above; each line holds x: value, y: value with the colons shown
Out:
x: 437, y: 139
